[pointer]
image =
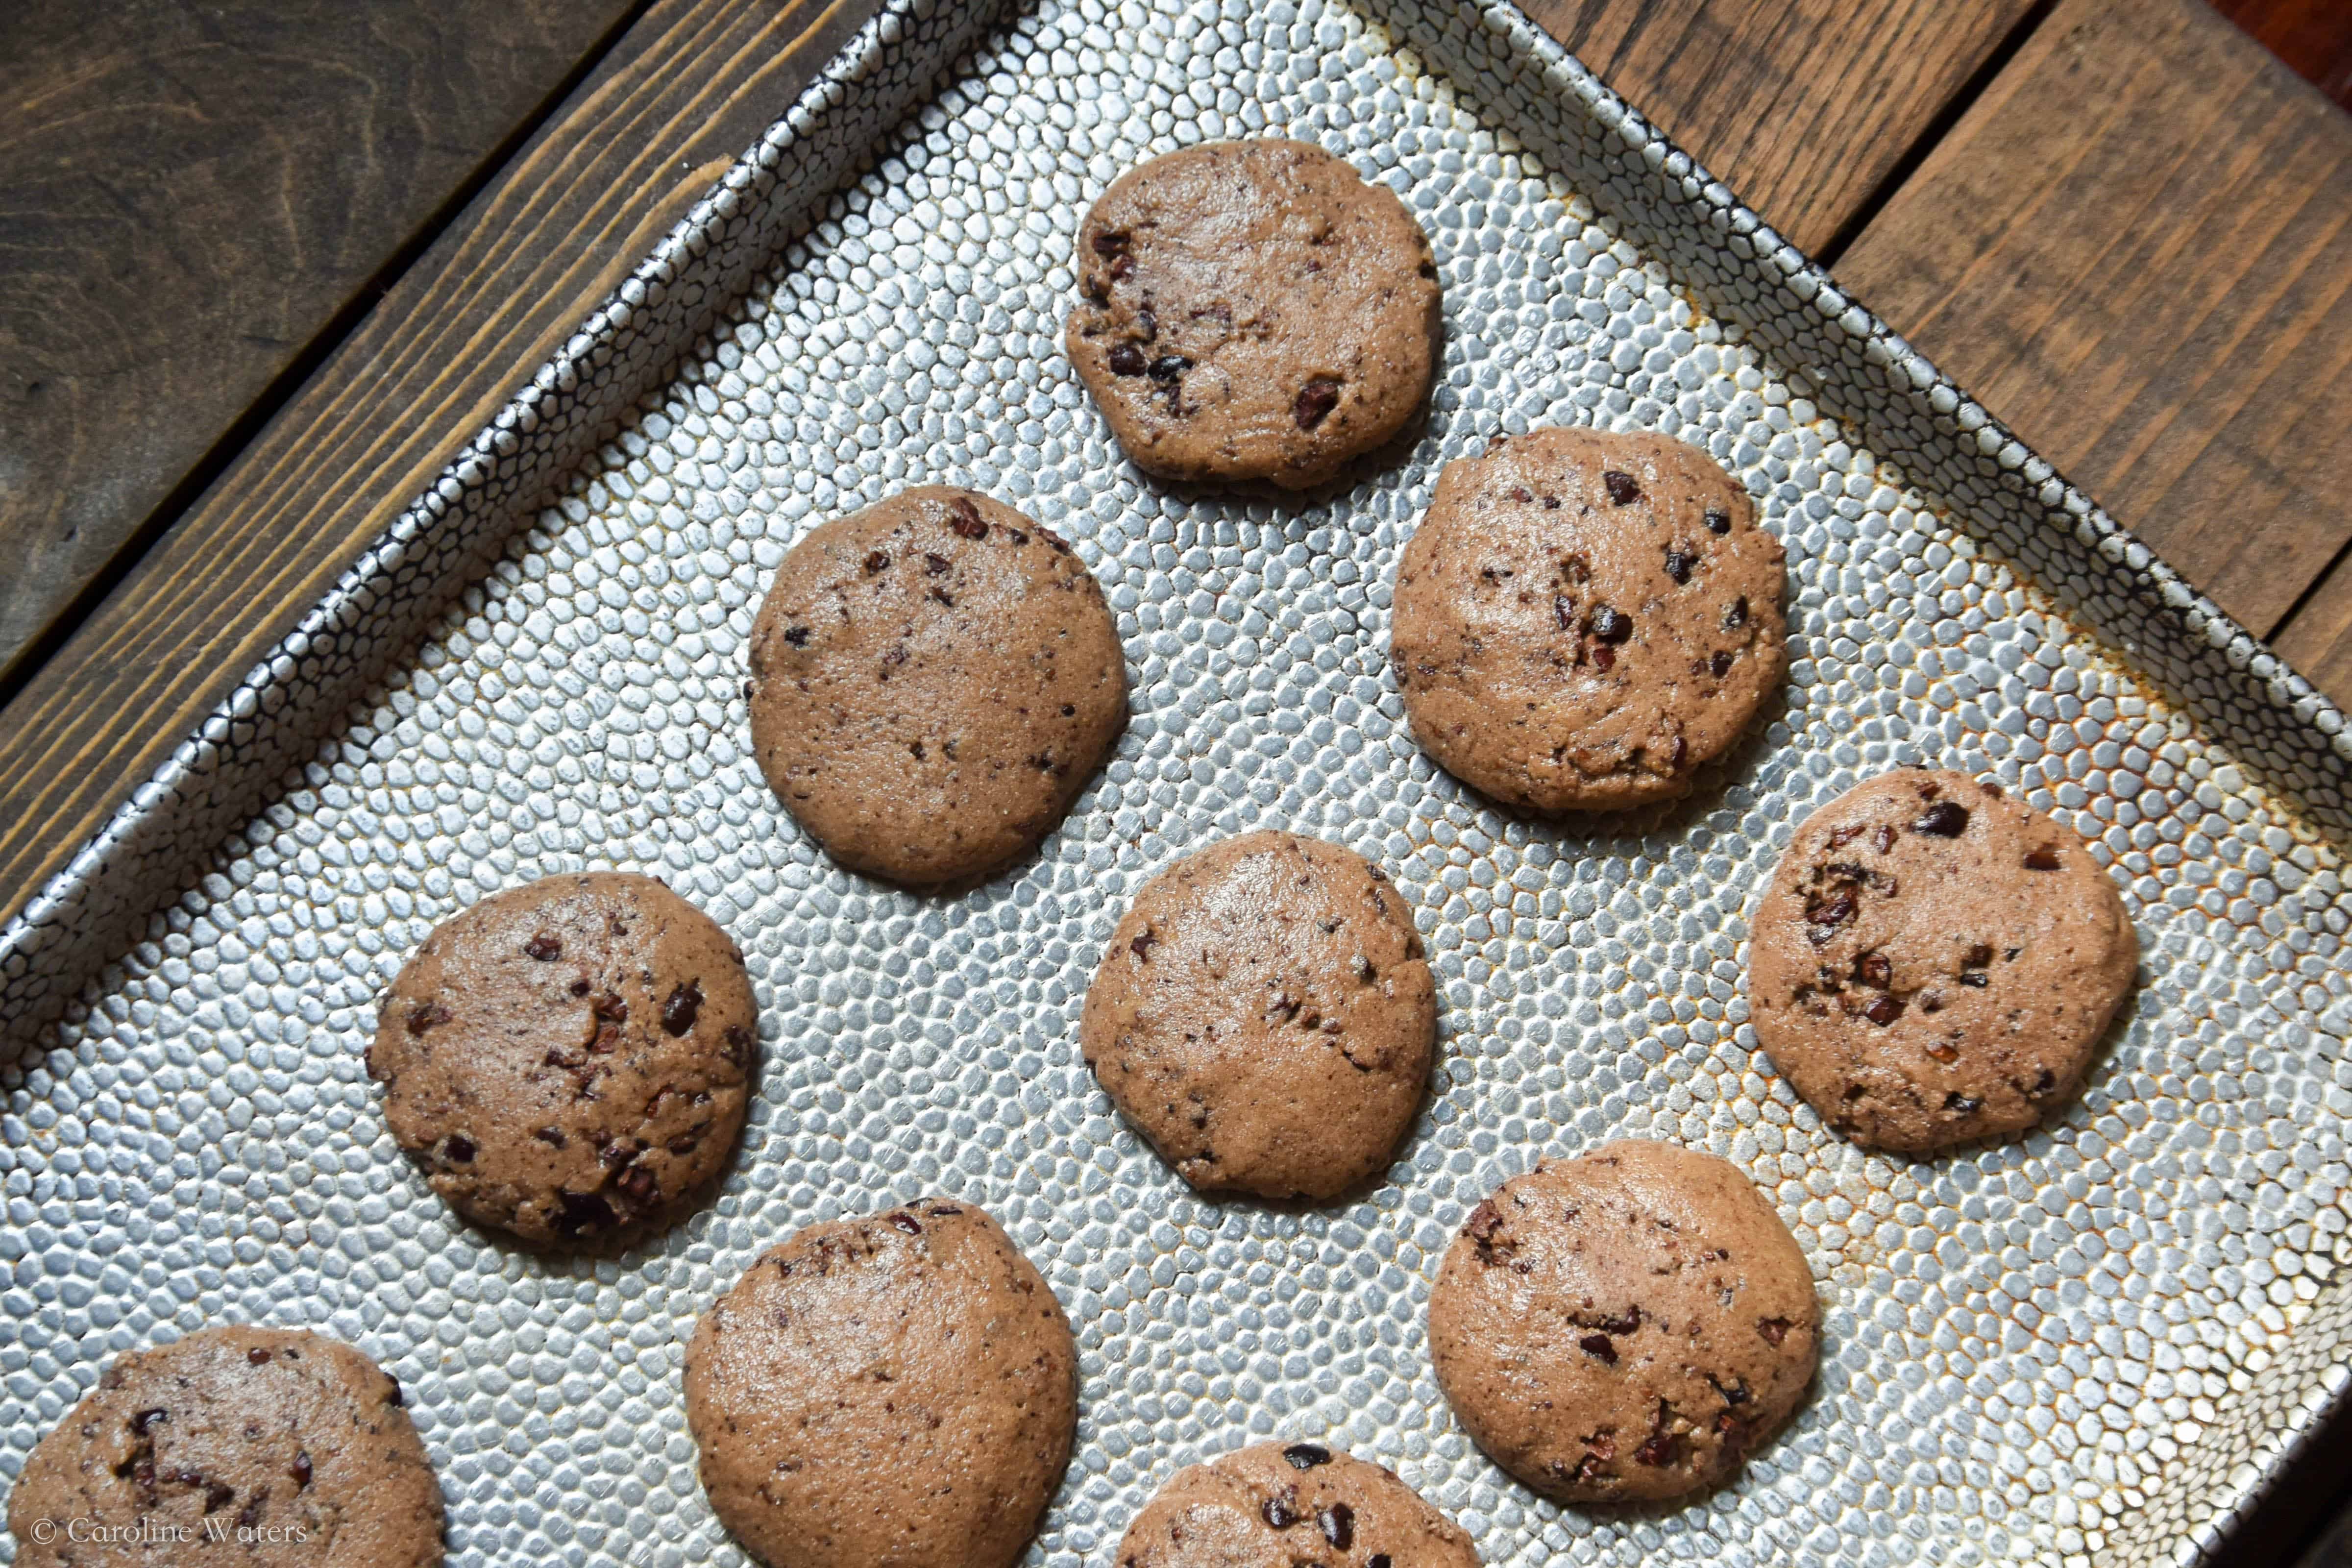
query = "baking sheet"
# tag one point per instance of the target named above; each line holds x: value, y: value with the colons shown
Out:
x: 2089, y: 1345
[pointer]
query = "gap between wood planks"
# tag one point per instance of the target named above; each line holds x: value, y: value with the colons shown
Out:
x: 15, y: 673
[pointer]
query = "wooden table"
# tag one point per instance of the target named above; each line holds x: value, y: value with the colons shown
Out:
x: 264, y: 265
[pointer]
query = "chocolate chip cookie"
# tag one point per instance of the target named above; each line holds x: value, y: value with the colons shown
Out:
x: 896, y: 1389
x: 1584, y: 619
x: 1280, y: 1505
x: 934, y: 680
x: 1933, y: 962
x: 1625, y: 1325
x: 1252, y: 310
x: 1265, y: 1017
x: 570, y: 1058
x: 268, y: 1448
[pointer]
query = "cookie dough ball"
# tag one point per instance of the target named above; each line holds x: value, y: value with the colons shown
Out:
x: 1279, y: 1505
x: 273, y: 1448
x: 569, y: 1058
x: 934, y: 680
x: 1252, y: 310
x: 900, y: 1389
x: 1623, y: 1326
x: 1584, y: 619
x: 1934, y: 962
x: 1265, y: 1017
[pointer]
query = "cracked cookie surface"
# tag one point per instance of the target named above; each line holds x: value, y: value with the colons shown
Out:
x: 1252, y: 310
x: 935, y: 680
x: 1933, y: 963
x: 271, y: 1448
x: 895, y: 1391
x: 568, y: 1059
x: 1627, y: 1325
x: 1265, y: 1017
x: 1281, y: 1505
x: 1584, y: 618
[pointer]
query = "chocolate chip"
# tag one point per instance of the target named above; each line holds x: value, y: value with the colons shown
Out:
x: 259, y: 1356
x: 906, y: 1223
x: 1735, y: 615
x: 2042, y: 859
x: 1884, y: 1010
x: 1315, y: 400
x: 965, y: 519
x: 143, y: 1419
x: 739, y: 1044
x: 1148, y: 322
x: 1141, y: 947
x: 2045, y: 1083
x: 1522, y: 494
x: 546, y: 947
x: 301, y: 1468
x: 610, y: 1008
x: 935, y: 565
x: 1962, y: 1104
x: 678, y: 1012
x: 424, y: 1016
x: 1169, y: 367
x: 1945, y: 819
x: 1720, y: 665
x: 1622, y: 487
x: 580, y: 986
x: 1611, y: 625
x: 1883, y: 838
x: 1307, y: 1456
x: 1717, y: 521
x: 579, y: 1213
x: 551, y: 1136
x: 876, y: 562
x: 1600, y: 1347
x: 1377, y: 1559
x: 1661, y: 1450
x: 457, y: 1149
x: 250, y: 1514
x: 1120, y: 267
x: 1278, y: 1512
x: 1338, y: 1524
x: 1563, y: 610
x: 1679, y: 563
x: 392, y: 1393
x: 1873, y: 969
x: 1825, y: 915
x: 1773, y: 1330
x: 944, y: 597
x: 797, y: 635
x: 218, y: 1495
x: 1110, y: 242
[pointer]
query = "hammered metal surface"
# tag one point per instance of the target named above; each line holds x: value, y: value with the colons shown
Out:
x: 2025, y: 1343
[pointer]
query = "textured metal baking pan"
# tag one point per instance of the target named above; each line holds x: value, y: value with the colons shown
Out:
x: 2093, y: 1344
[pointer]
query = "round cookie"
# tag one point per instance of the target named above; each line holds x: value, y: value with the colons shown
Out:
x: 569, y: 1058
x: 1584, y: 619
x: 1265, y: 1017
x: 934, y: 680
x: 279, y: 1448
x: 1277, y: 1505
x: 1625, y: 1325
x: 900, y: 1389
x: 1252, y: 310
x: 1933, y: 962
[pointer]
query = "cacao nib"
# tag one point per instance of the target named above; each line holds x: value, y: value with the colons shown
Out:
x: 259, y: 1356
x: 1307, y: 1456
x: 1945, y: 819
x: 1141, y: 947
x: 1600, y: 1347
x: 965, y: 519
x: 678, y: 1012
x: 301, y: 1468
x: 1563, y: 610
x: 1315, y: 400
x: 1660, y: 1450
x: 876, y: 562
x: 1717, y: 521
x: 1773, y: 1330
x: 1884, y: 1010
x: 424, y: 1016
x: 1873, y: 969
x: 1720, y: 665
x: 906, y: 1223
x: 1623, y: 489
x: 1109, y: 241
x: 1169, y: 367
x: 935, y: 564
x: 610, y: 1008
x: 546, y: 947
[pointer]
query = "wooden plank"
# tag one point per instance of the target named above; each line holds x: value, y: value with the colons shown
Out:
x: 188, y: 196
x: 2135, y: 248
x: 690, y: 87
x: 1803, y: 108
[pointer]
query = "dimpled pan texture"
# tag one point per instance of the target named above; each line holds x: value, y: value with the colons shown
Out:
x: 2088, y: 1342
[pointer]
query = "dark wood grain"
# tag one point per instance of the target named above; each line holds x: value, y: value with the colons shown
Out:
x: 2313, y: 38
x: 188, y: 196
x: 692, y: 85
x: 1801, y: 107
x: 2135, y: 248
